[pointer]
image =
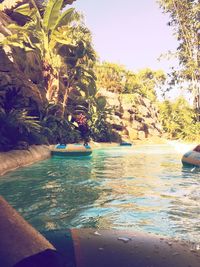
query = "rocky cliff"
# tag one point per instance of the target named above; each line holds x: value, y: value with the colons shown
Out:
x: 134, y: 117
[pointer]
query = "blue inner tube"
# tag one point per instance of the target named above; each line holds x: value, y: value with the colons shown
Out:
x: 61, y: 146
x: 125, y: 144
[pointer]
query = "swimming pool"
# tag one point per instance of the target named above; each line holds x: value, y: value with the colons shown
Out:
x: 141, y: 188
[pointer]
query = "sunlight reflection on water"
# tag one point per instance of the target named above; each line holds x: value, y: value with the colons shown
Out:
x: 139, y: 188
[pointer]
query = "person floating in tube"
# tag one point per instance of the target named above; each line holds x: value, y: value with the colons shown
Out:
x: 197, y: 148
x: 83, y: 127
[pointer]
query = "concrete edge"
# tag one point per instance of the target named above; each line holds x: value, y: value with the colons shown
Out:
x: 15, y: 159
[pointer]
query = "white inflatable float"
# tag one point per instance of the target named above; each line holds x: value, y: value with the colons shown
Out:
x: 68, y: 150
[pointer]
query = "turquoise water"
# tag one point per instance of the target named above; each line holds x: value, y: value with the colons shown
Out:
x: 137, y: 188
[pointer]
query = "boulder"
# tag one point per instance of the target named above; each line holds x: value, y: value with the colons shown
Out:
x: 115, y: 136
x: 126, y: 116
x: 154, y: 132
x: 136, y: 125
x: 134, y: 116
x: 150, y: 121
x: 142, y: 135
x: 132, y: 133
x: 144, y: 111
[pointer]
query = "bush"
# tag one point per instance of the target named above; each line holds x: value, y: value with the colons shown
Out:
x: 179, y: 120
x: 16, y: 126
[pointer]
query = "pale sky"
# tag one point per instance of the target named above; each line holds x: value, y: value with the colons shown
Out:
x: 133, y: 33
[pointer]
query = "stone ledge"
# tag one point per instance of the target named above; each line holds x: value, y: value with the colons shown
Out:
x: 14, y: 159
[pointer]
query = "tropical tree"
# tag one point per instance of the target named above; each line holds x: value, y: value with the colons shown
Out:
x: 10, y: 5
x: 57, y: 48
x: 55, y: 129
x: 100, y: 129
x: 184, y: 19
x: 110, y: 76
x: 79, y: 76
x: 61, y: 50
x: 149, y: 81
x: 179, y: 120
x: 118, y: 79
x: 40, y: 35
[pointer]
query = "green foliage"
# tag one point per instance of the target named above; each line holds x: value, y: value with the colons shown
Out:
x: 116, y: 78
x: 101, y: 102
x: 184, y: 19
x: 15, y: 124
x: 18, y: 129
x: 185, y: 22
x: 100, y: 129
x: 51, y: 14
x: 55, y: 128
x: 179, y: 120
x: 60, y: 59
x: 45, y: 34
x: 59, y: 47
x: 110, y: 76
x: 149, y: 80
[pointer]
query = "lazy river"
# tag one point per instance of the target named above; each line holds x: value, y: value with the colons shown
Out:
x: 141, y: 188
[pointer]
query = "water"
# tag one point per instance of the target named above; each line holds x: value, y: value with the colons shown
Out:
x: 141, y: 188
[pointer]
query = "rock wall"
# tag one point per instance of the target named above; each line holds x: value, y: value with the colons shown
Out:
x: 134, y: 117
x: 18, y: 158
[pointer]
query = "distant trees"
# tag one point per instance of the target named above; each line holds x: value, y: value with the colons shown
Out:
x: 110, y: 76
x: 179, y: 120
x: 185, y: 21
x: 118, y: 79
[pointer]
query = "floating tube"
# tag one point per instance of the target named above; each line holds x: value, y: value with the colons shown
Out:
x: 71, y: 150
x: 192, y: 158
x: 125, y: 144
x: 23, y: 246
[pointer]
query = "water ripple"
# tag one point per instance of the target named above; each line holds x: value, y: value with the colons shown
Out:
x: 140, y: 188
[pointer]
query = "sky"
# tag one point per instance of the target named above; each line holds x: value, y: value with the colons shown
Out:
x: 133, y: 33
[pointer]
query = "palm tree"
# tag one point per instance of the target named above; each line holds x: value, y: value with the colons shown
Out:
x: 12, y: 4
x: 65, y: 51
